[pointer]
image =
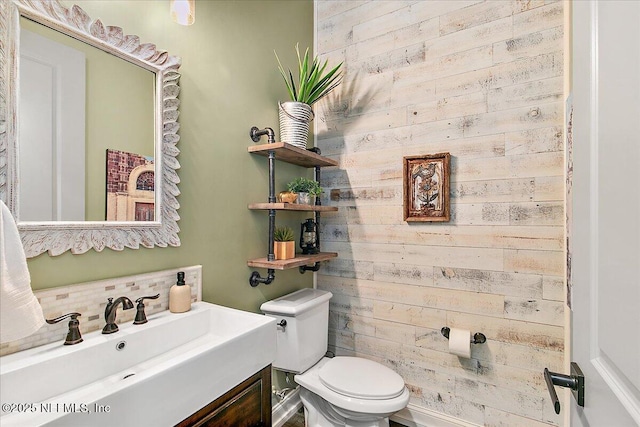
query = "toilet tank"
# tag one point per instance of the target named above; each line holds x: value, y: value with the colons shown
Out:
x: 303, y: 341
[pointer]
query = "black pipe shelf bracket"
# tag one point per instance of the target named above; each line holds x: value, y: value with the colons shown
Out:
x: 255, y: 279
x: 478, y: 337
x: 256, y: 133
x: 303, y: 268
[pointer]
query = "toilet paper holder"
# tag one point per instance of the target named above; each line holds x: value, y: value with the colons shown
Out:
x: 478, y: 337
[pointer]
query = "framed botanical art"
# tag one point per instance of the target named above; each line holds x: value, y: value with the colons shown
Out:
x: 426, y: 187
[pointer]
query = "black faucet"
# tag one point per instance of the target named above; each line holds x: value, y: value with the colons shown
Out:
x: 110, y: 313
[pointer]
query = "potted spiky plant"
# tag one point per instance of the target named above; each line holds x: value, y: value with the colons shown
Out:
x: 284, y: 245
x: 312, y: 84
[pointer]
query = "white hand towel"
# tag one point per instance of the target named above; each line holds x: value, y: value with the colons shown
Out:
x: 20, y: 312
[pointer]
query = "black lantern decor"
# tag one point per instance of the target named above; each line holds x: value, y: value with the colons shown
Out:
x: 309, y: 237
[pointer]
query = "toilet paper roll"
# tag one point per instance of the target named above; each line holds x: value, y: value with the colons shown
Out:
x: 460, y: 342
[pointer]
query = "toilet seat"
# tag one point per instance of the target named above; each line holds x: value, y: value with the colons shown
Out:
x: 310, y: 380
x: 360, y: 378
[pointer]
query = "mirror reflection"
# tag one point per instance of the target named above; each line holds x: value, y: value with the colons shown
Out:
x: 86, y: 131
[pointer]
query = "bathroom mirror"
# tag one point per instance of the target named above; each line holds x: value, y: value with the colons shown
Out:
x: 83, y: 112
x: 141, y: 207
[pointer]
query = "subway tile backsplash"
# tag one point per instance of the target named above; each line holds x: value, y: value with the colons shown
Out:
x: 90, y: 299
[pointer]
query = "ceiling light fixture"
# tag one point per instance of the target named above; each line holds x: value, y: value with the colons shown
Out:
x: 183, y: 11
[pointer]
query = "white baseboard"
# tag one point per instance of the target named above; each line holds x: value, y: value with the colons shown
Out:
x: 417, y: 416
x: 411, y: 416
x: 286, y: 408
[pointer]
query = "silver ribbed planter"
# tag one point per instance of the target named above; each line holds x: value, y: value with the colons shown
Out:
x: 294, y: 122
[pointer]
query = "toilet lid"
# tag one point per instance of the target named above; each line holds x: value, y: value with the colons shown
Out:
x: 361, y: 378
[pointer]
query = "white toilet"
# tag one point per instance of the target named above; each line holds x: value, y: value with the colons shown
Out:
x: 339, y: 391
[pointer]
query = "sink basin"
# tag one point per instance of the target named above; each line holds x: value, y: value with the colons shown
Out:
x: 154, y: 374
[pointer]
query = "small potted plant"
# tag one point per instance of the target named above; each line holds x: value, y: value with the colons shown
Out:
x: 314, y: 82
x: 284, y: 245
x: 305, y: 189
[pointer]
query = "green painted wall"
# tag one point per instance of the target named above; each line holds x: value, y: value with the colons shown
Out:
x: 229, y: 83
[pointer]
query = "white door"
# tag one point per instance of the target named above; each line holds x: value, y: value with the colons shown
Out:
x: 52, y: 130
x: 605, y: 232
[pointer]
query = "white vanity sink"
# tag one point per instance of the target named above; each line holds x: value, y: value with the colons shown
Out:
x: 154, y: 374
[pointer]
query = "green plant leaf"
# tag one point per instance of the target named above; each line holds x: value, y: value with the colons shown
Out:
x: 283, y: 234
x: 326, y: 84
x: 302, y: 73
x: 305, y: 185
x: 292, y: 89
x: 312, y: 83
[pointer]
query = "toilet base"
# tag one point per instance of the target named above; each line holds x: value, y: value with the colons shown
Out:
x: 320, y: 413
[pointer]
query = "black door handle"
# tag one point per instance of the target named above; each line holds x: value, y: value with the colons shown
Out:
x: 575, y: 382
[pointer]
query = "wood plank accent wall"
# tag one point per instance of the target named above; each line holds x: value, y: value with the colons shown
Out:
x: 483, y: 81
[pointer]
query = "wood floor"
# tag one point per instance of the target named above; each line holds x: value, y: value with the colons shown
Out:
x: 296, y: 421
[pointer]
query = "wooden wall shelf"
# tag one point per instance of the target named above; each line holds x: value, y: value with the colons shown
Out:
x: 298, y: 261
x: 299, y: 157
x: 294, y: 155
x: 292, y: 207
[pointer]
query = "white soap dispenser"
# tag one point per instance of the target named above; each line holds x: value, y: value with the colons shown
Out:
x: 180, y: 296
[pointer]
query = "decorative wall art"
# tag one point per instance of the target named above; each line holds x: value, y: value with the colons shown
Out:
x: 130, y: 187
x: 426, y: 187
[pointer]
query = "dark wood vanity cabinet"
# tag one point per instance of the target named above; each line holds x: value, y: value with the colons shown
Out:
x: 246, y: 405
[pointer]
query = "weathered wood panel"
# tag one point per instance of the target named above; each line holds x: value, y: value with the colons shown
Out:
x: 460, y: 41
x: 497, y: 418
x: 337, y: 31
x: 553, y: 288
x: 422, y: 255
x: 528, y: 45
x: 514, y: 237
x: 483, y: 81
x: 420, y: 275
x: 536, y: 213
x: 541, y: 262
x: 549, y: 188
x: 544, y: 91
x: 451, y: 63
x: 409, y: 314
x: 499, y: 397
x: 480, y: 214
x: 526, y: 357
x: 543, y: 66
x: 448, y: 108
x: 326, y: 10
x: 481, y: 13
x: 532, y: 141
x: 534, y: 310
x: 407, y: 14
x: 549, y: 16
x: 491, y: 282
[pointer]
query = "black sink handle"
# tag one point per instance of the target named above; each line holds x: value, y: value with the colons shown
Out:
x: 141, y: 317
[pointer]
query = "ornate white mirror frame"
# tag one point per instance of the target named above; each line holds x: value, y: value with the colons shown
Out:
x: 79, y: 237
